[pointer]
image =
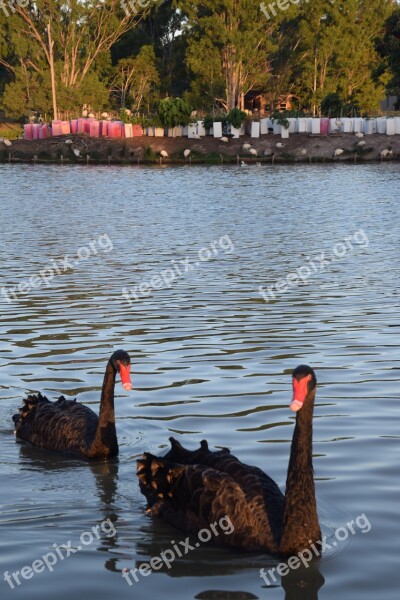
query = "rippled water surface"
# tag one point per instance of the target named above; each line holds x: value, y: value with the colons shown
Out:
x: 211, y: 358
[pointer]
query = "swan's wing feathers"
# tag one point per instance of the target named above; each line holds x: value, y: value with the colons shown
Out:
x: 64, y: 425
x: 194, y: 497
x: 224, y: 461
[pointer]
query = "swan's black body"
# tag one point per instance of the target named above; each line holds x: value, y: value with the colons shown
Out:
x: 192, y: 490
x: 70, y: 427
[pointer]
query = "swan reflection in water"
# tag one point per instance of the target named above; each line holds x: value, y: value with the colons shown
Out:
x: 207, y: 560
x: 105, y: 474
x: 301, y: 585
x: 211, y: 561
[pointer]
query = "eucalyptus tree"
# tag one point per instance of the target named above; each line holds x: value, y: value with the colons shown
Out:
x: 229, y: 43
x: 66, y: 38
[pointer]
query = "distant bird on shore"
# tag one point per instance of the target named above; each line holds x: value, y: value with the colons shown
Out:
x: 338, y: 152
x: 386, y: 152
x: 304, y: 151
x: 7, y: 142
x: 246, y: 146
x: 225, y: 140
x: 361, y: 143
x: 187, y: 153
x: 164, y: 153
x: 76, y: 152
x: 280, y: 145
x: 242, y: 163
x: 68, y: 142
x: 253, y: 152
x: 359, y: 134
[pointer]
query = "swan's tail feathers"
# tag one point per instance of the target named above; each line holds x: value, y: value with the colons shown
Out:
x: 179, y: 454
x: 28, y: 408
x: 157, y: 478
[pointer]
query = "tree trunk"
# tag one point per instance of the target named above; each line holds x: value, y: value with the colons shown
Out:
x: 52, y: 74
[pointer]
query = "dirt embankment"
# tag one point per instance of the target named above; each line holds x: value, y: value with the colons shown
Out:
x: 270, y: 149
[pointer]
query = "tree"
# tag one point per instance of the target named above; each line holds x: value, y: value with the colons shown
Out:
x: 136, y: 78
x: 161, y: 29
x: 335, y: 51
x: 81, y: 33
x: 228, y: 42
x: 388, y: 47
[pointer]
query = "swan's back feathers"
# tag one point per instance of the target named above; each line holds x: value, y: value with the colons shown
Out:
x: 62, y: 426
x: 192, y: 490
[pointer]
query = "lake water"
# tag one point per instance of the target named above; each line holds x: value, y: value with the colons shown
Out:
x: 211, y: 358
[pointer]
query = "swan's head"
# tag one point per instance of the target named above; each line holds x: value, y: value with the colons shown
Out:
x: 304, y: 382
x: 122, y: 363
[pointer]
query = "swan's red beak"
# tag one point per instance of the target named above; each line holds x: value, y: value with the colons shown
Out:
x: 300, y: 391
x: 125, y: 372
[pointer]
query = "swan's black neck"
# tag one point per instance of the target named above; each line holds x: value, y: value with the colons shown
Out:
x: 105, y: 442
x: 300, y: 518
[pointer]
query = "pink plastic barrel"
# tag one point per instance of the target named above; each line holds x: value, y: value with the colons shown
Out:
x: 35, y: 130
x: 44, y: 132
x: 115, y: 129
x: 325, y: 126
x: 103, y: 128
x: 94, y: 128
x: 86, y: 128
x: 65, y: 127
x: 137, y: 130
x: 74, y: 126
x: 28, y: 131
x: 81, y: 125
x: 56, y: 128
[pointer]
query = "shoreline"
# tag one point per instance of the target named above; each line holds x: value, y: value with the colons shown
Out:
x: 298, y: 149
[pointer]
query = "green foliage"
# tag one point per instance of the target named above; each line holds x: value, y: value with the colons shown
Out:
x: 136, y: 80
x: 332, y: 105
x: 388, y: 48
x: 335, y: 56
x: 174, y: 112
x: 149, y: 155
x: 11, y: 133
x: 228, y: 47
x: 236, y: 117
x: 280, y: 119
x: 209, y: 120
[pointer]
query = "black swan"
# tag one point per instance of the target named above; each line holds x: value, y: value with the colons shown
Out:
x: 193, y: 489
x: 70, y: 427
